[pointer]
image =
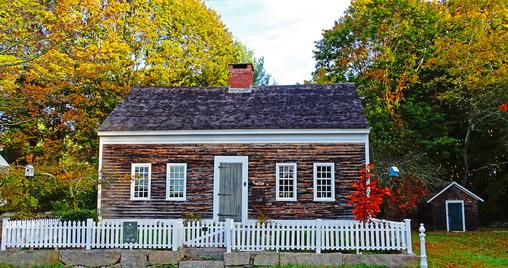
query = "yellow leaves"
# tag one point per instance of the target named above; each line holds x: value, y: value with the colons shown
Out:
x: 75, y: 59
x: 378, y: 74
x: 53, y: 68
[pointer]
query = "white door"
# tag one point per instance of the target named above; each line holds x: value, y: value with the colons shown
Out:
x: 230, y: 193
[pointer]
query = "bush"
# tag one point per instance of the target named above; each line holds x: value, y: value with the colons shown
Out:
x: 76, y: 215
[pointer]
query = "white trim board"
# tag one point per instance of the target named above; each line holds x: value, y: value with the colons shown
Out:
x: 462, y: 188
x: 244, y: 160
x: 234, y: 132
x: 237, y: 139
x: 99, y: 181
x: 463, y: 214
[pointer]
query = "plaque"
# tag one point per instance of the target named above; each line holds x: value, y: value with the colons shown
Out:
x: 130, y: 232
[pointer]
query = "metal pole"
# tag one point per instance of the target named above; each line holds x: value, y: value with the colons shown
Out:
x: 423, y: 255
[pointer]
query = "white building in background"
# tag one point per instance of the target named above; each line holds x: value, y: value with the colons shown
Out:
x: 3, y: 163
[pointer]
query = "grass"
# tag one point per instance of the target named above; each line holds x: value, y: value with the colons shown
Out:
x: 484, y: 248
x: 343, y: 266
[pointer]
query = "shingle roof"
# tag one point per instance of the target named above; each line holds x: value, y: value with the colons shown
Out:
x: 460, y: 187
x: 265, y: 107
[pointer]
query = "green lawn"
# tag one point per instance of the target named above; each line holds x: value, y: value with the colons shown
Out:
x: 484, y: 248
x: 343, y: 266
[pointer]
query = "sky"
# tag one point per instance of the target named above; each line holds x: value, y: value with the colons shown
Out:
x: 282, y: 31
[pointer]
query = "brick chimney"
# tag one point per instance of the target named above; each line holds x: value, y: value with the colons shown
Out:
x: 240, y: 75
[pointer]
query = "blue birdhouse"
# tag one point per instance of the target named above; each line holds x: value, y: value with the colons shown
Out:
x: 393, y: 171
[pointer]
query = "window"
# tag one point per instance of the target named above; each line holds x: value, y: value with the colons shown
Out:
x: 140, y: 181
x: 285, y: 182
x: 324, y: 182
x: 176, y: 181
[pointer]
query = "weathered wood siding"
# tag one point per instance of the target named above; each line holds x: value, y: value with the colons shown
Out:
x: 439, y: 209
x: 116, y: 167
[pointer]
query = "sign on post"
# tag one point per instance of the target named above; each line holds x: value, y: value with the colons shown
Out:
x: 130, y: 232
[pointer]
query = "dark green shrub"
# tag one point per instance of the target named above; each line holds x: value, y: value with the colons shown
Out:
x: 76, y: 215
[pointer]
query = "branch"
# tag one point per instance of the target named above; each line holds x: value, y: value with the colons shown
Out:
x: 7, y: 65
x: 490, y: 166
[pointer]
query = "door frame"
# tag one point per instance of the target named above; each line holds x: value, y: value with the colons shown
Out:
x: 448, y: 218
x: 244, y: 160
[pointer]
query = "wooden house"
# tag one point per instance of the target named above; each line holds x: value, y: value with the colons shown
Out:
x: 240, y: 152
x: 455, y: 208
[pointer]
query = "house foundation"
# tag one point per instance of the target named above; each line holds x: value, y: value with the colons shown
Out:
x: 147, y: 258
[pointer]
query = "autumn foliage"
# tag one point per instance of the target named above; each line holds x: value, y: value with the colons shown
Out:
x: 407, y: 192
x: 368, y: 194
x: 503, y: 107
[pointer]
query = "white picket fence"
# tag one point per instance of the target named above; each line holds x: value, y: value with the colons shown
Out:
x: 89, y: 234
x: 275, y: 235
x: 318, y: 235
x: 204, y: 234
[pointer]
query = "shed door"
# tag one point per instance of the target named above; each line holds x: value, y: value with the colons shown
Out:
x: 455, y: 216
x: 230, y: 191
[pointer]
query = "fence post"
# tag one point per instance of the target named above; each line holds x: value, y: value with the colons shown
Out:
x: 182, y: 233
x: 177, y: 238
x: 357, y: 236
x: 5, y: 221
x: 407, y: 223
x: 319, y: 233
x: 423, y: 254
x: 89, y: 223
x: 228, y: 229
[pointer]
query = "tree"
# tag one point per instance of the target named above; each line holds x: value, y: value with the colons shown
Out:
x: 431, y: 75
x: 245, y: 55
x: 470, y: 58
x: 368, y: 195
x: 64, y: 65
x: 74, y: 61
x: 407, y: 192
x: 261, y: 77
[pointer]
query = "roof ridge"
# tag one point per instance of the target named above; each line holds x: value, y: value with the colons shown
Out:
x: 313, y: 85
x: 462, y: 188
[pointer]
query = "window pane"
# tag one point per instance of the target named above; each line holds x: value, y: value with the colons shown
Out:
x: 287, y: 181
x: 176, y: 181
x: 324, y: 181
x: 141, y: 179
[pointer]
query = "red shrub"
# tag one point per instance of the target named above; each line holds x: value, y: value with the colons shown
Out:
x: 368, y: 196
x: 407, y: 192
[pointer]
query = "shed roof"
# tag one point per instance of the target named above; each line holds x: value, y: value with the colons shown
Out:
x: 460, y: 187
x: 264, y: 107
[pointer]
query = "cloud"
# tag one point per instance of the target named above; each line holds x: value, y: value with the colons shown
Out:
x: 282, y: 31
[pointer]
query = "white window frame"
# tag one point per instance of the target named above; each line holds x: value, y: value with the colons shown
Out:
x: 168, y: 166
x: 332, y: 165
x: 133, y: 166
x: 277, y: 179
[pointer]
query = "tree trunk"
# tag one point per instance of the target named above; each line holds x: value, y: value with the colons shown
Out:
x: 465, y: 155
x: 73, y: 199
